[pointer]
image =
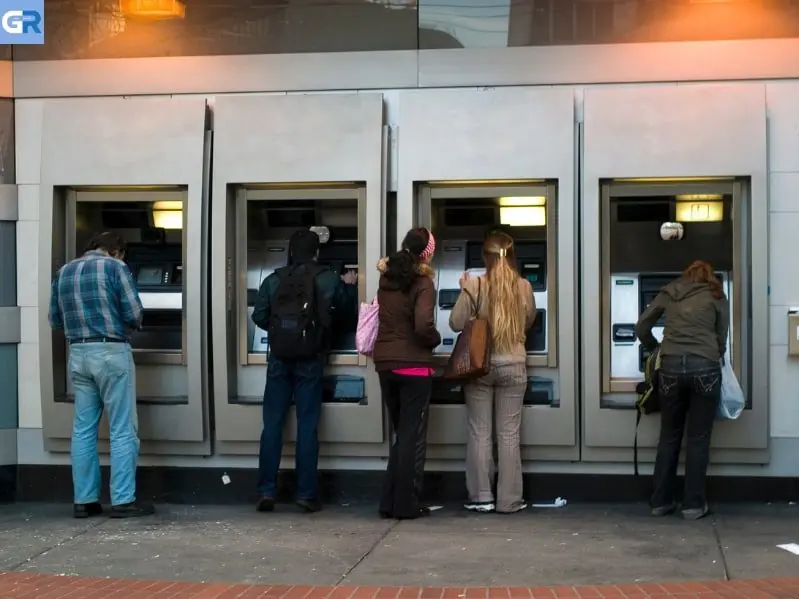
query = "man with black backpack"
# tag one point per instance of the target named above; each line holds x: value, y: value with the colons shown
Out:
x: 294, y: 306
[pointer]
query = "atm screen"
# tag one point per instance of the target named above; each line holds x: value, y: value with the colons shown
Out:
x: 150, y: 275
x: 447, y: 298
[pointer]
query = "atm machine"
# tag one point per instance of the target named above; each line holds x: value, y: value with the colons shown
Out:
x: 270, y: 225
x: 153, y: 223
x: 650, y: 240
x: 461, y: 215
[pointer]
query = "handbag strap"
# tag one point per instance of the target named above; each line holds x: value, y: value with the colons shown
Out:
x: 475, y: 303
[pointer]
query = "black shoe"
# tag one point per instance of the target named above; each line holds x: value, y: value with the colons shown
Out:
x: 87, y: 510
x: 265, y: 504
x: 663, y: 510
x: 385, y: 515
x: 132, y: 510
x: 695, y: 513
x: 310, y: 505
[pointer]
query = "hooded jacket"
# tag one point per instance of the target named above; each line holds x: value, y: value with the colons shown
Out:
x: 406, y: 335
x: 696, y: 323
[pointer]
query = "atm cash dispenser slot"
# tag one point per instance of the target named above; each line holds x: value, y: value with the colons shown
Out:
x: 344, y: 388
x: 540, y: 391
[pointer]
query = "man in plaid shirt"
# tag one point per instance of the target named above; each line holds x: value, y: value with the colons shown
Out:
x: 95, y: 302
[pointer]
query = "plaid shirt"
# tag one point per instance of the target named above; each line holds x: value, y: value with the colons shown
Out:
x: 95, y: 297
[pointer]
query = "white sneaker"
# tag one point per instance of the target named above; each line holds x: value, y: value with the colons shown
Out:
x: 482, y: 507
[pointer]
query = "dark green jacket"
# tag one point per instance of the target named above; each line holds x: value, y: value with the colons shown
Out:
x: 696, y: 323
x: 342, y: 299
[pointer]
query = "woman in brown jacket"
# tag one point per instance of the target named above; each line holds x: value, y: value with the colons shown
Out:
x: 403, y: 356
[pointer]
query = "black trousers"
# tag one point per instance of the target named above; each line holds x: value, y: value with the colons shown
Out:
x: 689, y: 390
x: 407, y: 399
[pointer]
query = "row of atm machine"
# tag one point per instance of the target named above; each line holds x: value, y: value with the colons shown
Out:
x: 199, y: 259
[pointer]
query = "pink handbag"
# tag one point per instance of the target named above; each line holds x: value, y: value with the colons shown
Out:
x: 368, y: 323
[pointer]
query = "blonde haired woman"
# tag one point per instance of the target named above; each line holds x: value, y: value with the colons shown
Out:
x: 506, y: 300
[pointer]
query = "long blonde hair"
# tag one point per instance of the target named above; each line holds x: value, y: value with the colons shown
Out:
x: 506, y: 314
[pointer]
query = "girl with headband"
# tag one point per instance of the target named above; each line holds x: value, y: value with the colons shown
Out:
x: 403, y: 357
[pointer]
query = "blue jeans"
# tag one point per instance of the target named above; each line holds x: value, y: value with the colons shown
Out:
x: 103, y: 376
x: 301, y: 380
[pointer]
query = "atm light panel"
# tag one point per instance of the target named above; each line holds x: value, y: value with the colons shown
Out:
x: 523, y: 216
x: 154, y: 9
x: 523, y: 201
x: 700, y: 212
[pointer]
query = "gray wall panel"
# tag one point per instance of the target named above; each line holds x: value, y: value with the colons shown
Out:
x: 612, y: 63
x: 8, y: 263
x: 8, y: 388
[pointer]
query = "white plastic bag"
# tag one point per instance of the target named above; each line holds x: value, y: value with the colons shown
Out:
x: 732, y: 396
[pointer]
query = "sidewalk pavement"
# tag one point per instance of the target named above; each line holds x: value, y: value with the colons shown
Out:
x: 347, y: 552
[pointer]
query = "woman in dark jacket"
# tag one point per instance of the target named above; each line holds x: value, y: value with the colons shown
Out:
x: 689, y: 388
x: 403, y: 356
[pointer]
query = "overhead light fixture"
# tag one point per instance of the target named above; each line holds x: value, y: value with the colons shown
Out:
x: 168, y: 214
x: 523, y: 201
x: 523, y: 216
x: 154, y: 9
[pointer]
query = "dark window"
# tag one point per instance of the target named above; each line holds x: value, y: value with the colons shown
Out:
x: 501, y: 23
x: 110, y: 29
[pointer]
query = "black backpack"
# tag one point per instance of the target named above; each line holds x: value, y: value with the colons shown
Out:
x: 298, y: 323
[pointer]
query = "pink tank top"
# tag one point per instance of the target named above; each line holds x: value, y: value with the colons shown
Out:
x: 414, y: 371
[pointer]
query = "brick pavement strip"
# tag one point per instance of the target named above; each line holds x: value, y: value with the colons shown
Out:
x: 25, y: 585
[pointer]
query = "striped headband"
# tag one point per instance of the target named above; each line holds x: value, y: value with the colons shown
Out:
x: 430, y: 248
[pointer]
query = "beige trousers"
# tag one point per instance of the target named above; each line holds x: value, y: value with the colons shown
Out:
x: 500, y: 393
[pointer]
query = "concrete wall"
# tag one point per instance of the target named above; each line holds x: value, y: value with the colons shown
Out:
x: 766, y: 62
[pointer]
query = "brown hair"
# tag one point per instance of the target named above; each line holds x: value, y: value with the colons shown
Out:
x: 700, y: 271
x: 505, y: 312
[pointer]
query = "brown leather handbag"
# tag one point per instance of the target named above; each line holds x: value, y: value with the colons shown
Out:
x: 472, y: 352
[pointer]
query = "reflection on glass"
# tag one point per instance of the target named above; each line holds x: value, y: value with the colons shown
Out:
x: 109, y: 29
x: 501, y: 23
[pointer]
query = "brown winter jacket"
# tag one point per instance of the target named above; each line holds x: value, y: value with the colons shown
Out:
x: 696, y: 323
x: 407, y: 335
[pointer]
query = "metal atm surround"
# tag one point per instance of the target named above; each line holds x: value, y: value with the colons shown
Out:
x: 609, y: 418
x: 548, y: 426
x: 454, y: 246
x: 342, y: 422
x: 660, y: 193
x: 163, y: 387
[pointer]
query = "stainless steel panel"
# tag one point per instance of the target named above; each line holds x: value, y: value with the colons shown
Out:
x: 217, y: 74
x: 641, y: 132
x: 464, y: 137
x: 294, y: 147
x: 9, y: 209
x: 9, y: 324
x: 117, y: 146
x: 577, y: 65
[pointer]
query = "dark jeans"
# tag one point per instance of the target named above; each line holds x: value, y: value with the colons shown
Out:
x: 302, y: 380
x: 689, y: 389
x: 407, y: 399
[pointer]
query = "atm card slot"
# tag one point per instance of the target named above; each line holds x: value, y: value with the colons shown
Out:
x: 343, y: 388
x: 623, y: 333
x: 446, y: 393
x: 540, y: 392
x: 536, y: 337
